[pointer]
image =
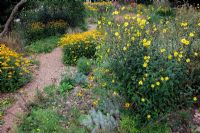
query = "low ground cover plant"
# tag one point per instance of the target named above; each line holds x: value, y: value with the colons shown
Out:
x: 14, y: 71
x: 78, y: 45
x: 45, y: 45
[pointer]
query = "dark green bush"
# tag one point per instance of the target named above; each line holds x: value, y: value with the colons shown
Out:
x: 71, y: 11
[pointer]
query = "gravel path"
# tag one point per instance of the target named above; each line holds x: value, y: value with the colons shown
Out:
x: 50, y: 72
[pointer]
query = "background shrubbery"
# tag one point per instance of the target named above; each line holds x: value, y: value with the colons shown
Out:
x: 40, y: 19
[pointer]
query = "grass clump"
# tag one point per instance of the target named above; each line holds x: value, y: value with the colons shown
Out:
x: 45, y: 45
x: 41, y: 120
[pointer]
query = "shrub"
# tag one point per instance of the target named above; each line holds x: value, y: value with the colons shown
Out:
x: 72, y: 12
x: 84, y: 65
x: 78, y: 45
x: 151, y: 63
x: 14, y: 71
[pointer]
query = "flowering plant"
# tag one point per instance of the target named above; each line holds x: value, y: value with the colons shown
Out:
x: 78, y: 45
x: 13, y: 69
x: 150, y: 63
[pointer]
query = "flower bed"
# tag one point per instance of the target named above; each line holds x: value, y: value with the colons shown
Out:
x: 14, y: 71
x: 78, y: 45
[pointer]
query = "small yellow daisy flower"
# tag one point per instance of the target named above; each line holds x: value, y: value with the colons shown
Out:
x: 188, y: 60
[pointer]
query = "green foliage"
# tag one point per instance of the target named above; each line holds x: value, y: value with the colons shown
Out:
x: 34, y: 31
x: 65, y: 87
x: 127, y: 124
x: 150, y: 62
x: 80, y: 79
x: 96, y: 121
x: 84, y: 65
x: 45, y: 45
x: 67, y: 79
x: 41, y: 120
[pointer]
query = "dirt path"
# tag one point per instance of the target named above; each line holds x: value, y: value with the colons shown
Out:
x: 50, y: 72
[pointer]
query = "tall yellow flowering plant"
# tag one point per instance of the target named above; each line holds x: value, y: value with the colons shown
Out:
x: 150, y: 62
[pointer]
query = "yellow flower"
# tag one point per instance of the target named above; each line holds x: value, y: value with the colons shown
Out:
x: 188, y: 60
x: 166, y: 78
x: 125, y: 48
x: 115, y: 13
x: 140, y: 82
x: 148, y: 116
x: 185, y: 42
x: 152, y: 86
x: 95, y: 102
x: 191, y: 34
x: 164, y: 30
x: 145, y: 65
x: 169, y: 57
x: 196, y: 54
x: 162, y: 50
x: 115, y: 93
x: 133, y: 38
x: 142, y: 99
x: 184, y: 24
x: 126, y: 24
x: 175, y: 53
x: 195, y: 99
x: 109, y: 23
x: 127, y: 105
x: 113, y: 81
x: 146, y: 43
x: 147, y: 57
x: 99, y: 22
x: 122, y: 8
x: 162, y: 79
x: 116, y: 34
x: 157, y: 83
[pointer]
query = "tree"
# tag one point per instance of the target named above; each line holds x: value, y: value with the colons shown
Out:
x: 11, y: 17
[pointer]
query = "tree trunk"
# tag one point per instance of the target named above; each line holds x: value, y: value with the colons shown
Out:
x: 11, y: 17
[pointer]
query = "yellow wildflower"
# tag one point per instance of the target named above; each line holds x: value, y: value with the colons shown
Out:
x: 140, y: 82
x: 195, y: 99
x: 188, y: 60
x: 146, y: 43
x: 142, y: 99
x: 152, y: 86
x: 157, y: 83
x: 185, y: 42
x: 148, y: 116
x: 127, y: 105
x: 191, y: 34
